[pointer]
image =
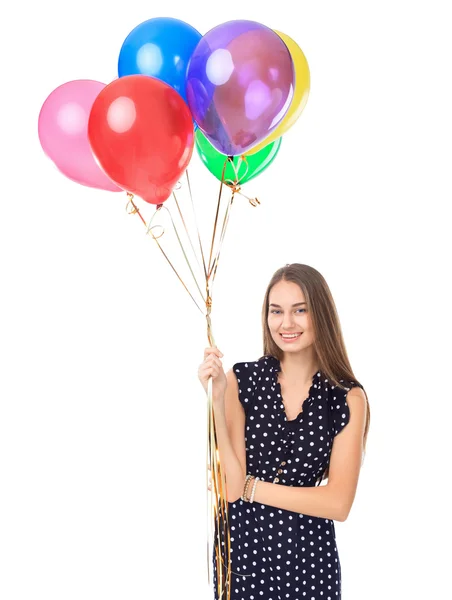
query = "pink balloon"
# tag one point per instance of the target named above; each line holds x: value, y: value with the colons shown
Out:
x: 63, y: 133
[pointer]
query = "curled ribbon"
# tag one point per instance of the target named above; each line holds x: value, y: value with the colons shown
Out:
x: 219, y: 505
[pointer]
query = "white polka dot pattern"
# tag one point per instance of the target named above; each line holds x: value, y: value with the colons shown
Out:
x: 283, y: 555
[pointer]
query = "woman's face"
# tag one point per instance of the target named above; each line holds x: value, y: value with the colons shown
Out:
x: 288, y: 314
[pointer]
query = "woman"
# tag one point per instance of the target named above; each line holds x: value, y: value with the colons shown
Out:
x: 284, y: 423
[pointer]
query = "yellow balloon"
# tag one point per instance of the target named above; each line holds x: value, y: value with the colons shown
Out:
x: 301, y: 92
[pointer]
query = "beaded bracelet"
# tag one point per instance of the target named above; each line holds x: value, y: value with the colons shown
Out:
x: 245, y: 489
x: 254, y: 489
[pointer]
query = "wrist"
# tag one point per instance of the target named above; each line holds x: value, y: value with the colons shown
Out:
x: 249, y: 488
x: 218, y: 402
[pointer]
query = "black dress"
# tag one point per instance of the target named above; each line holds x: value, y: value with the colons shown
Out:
x: 280, y: 554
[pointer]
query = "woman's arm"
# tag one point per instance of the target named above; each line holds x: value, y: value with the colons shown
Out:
x: 229, y: 418
x: 333, y: 500
x: 319, y: 501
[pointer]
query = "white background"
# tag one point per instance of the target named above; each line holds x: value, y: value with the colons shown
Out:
x: 103, y: 420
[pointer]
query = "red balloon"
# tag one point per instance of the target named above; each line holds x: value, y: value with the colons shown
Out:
x: 141, y: 132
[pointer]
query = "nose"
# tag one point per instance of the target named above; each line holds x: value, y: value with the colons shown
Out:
x: 288, y: 321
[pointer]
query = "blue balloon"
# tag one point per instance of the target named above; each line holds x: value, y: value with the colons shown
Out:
x: 161, y: 48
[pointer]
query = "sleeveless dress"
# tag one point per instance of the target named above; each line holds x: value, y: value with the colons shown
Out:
x: 279, y: 554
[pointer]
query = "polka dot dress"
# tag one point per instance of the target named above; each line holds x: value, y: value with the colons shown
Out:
x: 280, y: 554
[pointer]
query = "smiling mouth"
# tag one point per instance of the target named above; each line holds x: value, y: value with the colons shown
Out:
x: 290, y: 336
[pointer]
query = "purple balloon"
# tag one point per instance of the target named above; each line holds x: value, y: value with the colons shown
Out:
x: 240, y: 83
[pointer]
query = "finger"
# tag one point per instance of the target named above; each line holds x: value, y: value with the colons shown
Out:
x: 210, y: 365
x: 212, y: 355
x: 214, y: 359
x: 208, y: 373
x: 212, y: 350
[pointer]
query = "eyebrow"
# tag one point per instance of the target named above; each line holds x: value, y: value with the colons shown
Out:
x: 293, y: 305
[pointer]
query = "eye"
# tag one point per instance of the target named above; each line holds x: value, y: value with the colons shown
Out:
x: 274, y: 311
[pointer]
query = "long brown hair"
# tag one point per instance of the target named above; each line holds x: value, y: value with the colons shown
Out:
x: 329, y: 343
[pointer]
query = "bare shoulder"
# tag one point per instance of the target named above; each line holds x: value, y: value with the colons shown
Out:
x: 231, y: 378
x: 356, y: 392
x: 232, y: 387
x: 357, y: 402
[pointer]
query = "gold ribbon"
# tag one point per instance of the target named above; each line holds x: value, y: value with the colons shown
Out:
x: 221, y: 535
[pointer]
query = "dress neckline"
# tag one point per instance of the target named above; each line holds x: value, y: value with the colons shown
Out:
x: 276, y: 368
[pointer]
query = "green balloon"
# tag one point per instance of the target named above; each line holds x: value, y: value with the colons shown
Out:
x: 247, y: 168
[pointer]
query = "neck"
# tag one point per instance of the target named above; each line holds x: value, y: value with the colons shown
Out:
x: 299, y: 366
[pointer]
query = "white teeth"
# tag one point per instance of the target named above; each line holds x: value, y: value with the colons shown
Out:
x: 292, y: 335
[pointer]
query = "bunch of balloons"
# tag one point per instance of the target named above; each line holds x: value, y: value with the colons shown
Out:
x: 230, y: 93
